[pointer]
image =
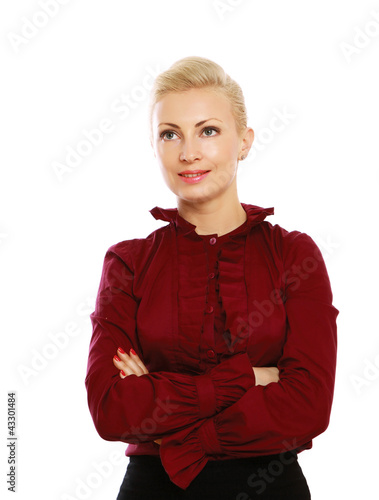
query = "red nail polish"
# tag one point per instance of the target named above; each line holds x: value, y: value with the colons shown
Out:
x: 117, y: 358
x: 133, y: 351
x: 123, y: 373
x: 121, y: 350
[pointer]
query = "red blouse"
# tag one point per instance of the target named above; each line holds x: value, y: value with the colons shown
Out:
x: 201, y: 311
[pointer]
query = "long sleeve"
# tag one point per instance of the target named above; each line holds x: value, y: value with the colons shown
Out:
x: 137, y: 409
x: 283, y: 415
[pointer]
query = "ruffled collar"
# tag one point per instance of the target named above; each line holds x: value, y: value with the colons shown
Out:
x: 255, y: 215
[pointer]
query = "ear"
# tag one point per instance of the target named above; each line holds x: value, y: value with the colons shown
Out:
x: 247, y: 142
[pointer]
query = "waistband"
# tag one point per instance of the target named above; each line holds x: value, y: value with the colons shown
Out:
x: 285, y: 457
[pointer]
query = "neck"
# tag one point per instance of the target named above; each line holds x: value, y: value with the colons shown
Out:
x: 214, y: 216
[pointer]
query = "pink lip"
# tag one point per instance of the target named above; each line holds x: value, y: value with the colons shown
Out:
x: 192, y: 180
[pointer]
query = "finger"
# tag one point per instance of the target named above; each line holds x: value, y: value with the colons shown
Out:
x: 134, y: 357
x: 133, y: 361
x: 119, y: 364
x: 131, y: 364
x: 126, y: 363
x: 124, y: 370
x: 138, y: 360
x: 122, y: 365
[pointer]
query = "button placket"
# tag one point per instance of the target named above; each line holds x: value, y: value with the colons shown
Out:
x: 211, y: 354
x: 208, y: 344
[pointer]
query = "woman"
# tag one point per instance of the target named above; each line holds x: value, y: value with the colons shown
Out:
x: 220, y: 325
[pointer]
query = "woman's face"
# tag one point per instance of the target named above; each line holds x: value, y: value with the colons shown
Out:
x: 195, y: 132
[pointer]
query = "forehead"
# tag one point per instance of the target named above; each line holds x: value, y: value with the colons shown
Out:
x: 192, y: 106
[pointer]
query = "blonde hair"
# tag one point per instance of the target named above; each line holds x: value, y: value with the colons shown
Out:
x: 199, y: 73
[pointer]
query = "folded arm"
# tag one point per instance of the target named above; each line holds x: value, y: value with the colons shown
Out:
x: 131, y: 364
x: 143, y: 408
x: 280, y: 416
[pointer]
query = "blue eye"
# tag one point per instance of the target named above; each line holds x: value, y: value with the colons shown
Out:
x: 210, y: 129
x: 168, y: 135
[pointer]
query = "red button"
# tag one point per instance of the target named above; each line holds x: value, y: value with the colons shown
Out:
x: 211, y: 354
x: 209, y: 309
x: 211, y: 276
x: 212, y: 241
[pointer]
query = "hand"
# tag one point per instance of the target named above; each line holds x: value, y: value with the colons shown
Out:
x: 129, y: 364
x: 263, y: 376
x: 266, y: 375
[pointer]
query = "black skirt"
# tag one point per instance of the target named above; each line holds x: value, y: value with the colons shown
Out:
x: 272, y: 477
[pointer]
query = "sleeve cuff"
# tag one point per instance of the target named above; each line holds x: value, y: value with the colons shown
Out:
x: 185, y: 453
x: 231, y: 379
x: 206, y: 396
x: 208, y: 438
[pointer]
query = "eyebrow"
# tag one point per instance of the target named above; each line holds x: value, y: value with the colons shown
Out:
x: 197, y: 124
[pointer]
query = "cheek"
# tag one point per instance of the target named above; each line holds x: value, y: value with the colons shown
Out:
x: 166, y: 164
x: 166, y: 153
x: 224, y: 150
x: 163, y: 158
x: 224, y: 156
x: 214, y: 149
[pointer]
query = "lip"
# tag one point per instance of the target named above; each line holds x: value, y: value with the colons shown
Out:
x: 192, y: 180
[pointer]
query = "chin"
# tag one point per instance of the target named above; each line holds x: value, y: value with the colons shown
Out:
x: 197, y: 197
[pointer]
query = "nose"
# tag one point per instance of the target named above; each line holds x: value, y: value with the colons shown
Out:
x: 189, y: 152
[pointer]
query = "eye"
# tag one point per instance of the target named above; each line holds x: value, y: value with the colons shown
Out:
x: 210, y: 131
x: 167, y: 135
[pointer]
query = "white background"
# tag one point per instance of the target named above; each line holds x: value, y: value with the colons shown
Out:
x: 320, y: 172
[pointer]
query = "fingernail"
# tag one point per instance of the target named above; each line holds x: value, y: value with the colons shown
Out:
x: 121, y: 350
x: 123, y: 373
x: 117, y: 358
x: 133, y: 351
